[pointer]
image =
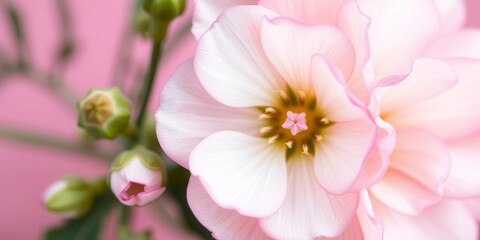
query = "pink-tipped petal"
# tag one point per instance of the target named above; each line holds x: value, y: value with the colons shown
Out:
x: 309, y: 211
x: 400, y: 28
x: 429, y: 77
x: 146, y: 197
x: 207, y: 11
x: 223, y: 223
x: 419, y: 165
x: 290, y: 46
x: 230, y: 62
x: 241, y: 172
x: 443, y: 221
x: 187, y: 114
x: 364, y: 226
x: 341, y: 155
x: 306, y: 11
x: 463, y: 180
x: 452, y: 114
x: 355, y: 25
x: 332, y: 96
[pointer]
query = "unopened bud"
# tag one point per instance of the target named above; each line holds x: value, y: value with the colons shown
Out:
x: 137, y: 177
x: 72, y: 196
x: 166, y: 9
x: 104, y: 113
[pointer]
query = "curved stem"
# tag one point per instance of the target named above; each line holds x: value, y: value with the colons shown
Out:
x: 148, y: 83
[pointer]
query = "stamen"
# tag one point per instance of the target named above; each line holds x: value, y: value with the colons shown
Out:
x: 289, y: 144
x: 264, y: 116
x: 301, y: 97
x: 318, y: 137
x: 270, y: 110
x: 266, y: 129
x: 305, y: 148
x: 285, y: 97
x: 325, y: 121
x: 273, y: 139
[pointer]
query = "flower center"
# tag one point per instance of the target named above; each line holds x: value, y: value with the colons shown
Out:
x: 294, y: 122
x: 132, y: 190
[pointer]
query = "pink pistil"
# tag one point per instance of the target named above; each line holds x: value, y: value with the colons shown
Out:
x: 295, y: 122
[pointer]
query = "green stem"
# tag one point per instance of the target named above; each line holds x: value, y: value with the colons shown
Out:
x: 148, y: 83
x: 30, y: 137
x: 124, y: 216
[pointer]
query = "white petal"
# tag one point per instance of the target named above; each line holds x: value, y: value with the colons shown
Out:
x: 400, y: 31
x: 187, y: 114
x: 241, y: 172
x: 207, y: 11
x: 446, y: 220
x: 223, y: 223
x: 290, y: 47
x: 230, y: 62
x: 309, y: 211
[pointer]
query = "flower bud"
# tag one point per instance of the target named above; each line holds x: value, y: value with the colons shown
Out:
x: 104, y: 113
x: 137, y: 177
x: 72, y: 196
x: 165, y: 9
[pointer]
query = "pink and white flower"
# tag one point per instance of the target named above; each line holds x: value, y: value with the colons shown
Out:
x: 260, y: 71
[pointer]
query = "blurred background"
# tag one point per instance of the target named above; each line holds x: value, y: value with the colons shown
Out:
x: 79, y: 44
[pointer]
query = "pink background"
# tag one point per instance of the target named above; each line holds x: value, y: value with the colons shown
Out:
x: 25, y: 170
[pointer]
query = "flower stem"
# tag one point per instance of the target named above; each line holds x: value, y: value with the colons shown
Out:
x: 148, y: 83
x: 53, y: 142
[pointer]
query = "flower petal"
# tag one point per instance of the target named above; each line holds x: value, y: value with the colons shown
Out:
x: 290, y: 46
x: 187, y: 114
x: 349, y: 140
x: 364, y: 225
x: 419, y: 166
x: 230, y: 62
x: 452, y: 14
x: 207, y: 11
x: 443, y: 221
x: 463, y: 180
x: 223, y: 223
x: 438, y: 115
x: 463, y: 43
x: 309, y: 211
x: 399, y: 28
x: 355, y: 25
x: 332, y: 97
x: 306, y: 11
x: 241, y: 172
x: 429, y: 77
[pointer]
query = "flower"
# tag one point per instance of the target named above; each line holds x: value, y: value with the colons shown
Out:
x: 404, y: 50
x: 255, y: 68
x: 137, y: 177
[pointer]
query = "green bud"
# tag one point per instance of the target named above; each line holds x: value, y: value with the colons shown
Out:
x: 147, y: 5
x: 72, y: 196
x: 166, y: 9
x: 142, y: 22
x: 158, y: 29
x: 104, y: 113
